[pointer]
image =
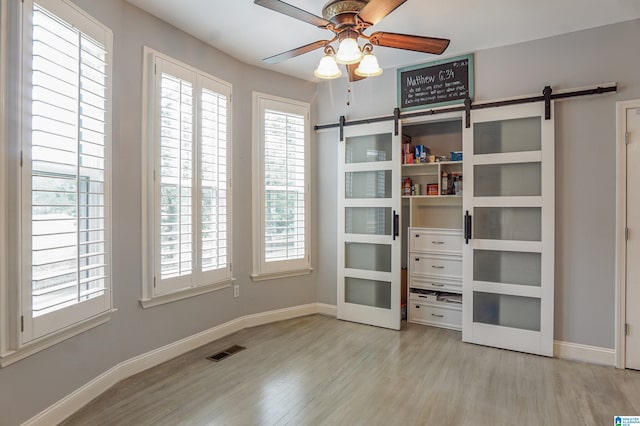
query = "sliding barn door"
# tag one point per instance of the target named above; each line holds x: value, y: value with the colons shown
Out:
x: 368, y: 224
x: 508, y: 203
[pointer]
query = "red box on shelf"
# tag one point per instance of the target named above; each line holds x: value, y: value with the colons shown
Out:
x: 432, y: 189
x: 408, y: 158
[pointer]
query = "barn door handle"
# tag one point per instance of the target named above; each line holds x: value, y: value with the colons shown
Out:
x: 467, y: 227
x: 396, y: 224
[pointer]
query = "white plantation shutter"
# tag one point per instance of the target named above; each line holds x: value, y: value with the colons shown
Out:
x: 66, y: 176
x: 284, y: 186
x: 281, y: 156
x: 191, y: 207
x: 213, y: 174
x: 176, y: 176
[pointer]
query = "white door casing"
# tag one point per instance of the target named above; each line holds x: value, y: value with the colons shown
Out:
x: 628, y: 230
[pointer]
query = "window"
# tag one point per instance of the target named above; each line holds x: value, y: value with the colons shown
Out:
x: 63, y: 212
x: 281, y: 187
x: 189, y: 233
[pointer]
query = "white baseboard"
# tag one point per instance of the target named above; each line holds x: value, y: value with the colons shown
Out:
x: 329, y: 310
x: 278, y: 315
x: 584, y: 353
x: 68, y: 405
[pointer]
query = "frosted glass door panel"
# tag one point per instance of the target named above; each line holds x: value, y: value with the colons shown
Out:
x: 516, y: 135
x: 367, y: 292
x: 369, y: 148
x: 507, y: 180
x: 368, y: 220
x: 507, y: 311
x: 371, y: 257
x: 371, y: 184
x: 507, y: 267
x: 507, y: 223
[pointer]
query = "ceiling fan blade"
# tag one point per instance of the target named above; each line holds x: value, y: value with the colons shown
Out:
x: 294, y: 12
x: 375, y: 10
x: 351, y: 70
x: 410, y: 42
x: 296, y: 52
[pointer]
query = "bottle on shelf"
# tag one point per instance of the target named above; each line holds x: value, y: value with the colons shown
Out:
x: 444, y: 183
x: 406, y: 186
x: 458, y: 185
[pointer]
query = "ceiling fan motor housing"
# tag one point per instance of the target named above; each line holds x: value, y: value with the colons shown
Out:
x: 342, y: 12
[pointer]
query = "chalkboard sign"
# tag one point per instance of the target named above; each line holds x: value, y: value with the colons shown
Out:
x: 438, y: 83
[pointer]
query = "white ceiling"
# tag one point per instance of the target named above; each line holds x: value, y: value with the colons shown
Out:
x: 249, y: 32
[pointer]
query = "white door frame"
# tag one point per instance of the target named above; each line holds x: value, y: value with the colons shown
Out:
x: 621, y: 224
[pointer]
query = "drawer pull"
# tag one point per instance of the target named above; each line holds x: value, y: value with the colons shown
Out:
x: 417, y: 259
x: 437, y: 267
x: 437, y: 242
x: 437, y: 315
x: 437, y: 285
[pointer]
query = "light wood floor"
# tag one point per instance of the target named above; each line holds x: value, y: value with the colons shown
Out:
x: 318, y: 370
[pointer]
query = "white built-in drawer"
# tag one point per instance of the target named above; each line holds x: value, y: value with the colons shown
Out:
x: 438, y: 284
x: 424, y: 297
x: 446, y: 241
x: 441, y: 316
x: 436, y: 266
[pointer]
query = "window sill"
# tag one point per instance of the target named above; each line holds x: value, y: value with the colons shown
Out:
x: 281, y: 274
x: 184, y: 294
x: 48, y: 341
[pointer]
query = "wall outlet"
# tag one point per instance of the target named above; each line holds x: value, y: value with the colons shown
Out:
x: 236, y: 290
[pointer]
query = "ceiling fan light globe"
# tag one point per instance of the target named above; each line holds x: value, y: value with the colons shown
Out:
x: 327, y: 68
x: 348, y: 52
x: 368, y: 66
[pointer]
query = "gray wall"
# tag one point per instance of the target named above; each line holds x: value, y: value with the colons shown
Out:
x: 585, y: 159
x: 33, y: 384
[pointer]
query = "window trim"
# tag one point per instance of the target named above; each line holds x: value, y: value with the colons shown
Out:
x: 12, y: 349
x: 149, y: 298
x: 9, y: 357
x: 4, y: 291
x: 287, y: 268
x: 35, y: 328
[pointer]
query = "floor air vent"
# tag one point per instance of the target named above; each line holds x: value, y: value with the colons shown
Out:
x: 226, y: 353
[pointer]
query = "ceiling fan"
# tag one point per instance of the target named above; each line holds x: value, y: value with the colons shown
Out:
x: 348, y: 20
